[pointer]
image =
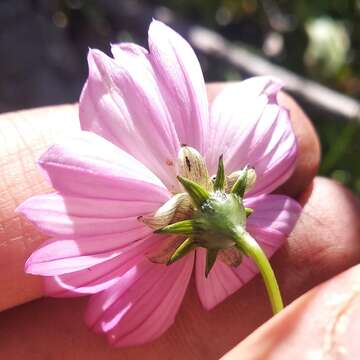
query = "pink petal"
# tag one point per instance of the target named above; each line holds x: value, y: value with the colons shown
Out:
x: 142, y: 305
x: 61, y: 256
x: 221, y: 282
x: 250, y: 128
x: 101, y: 276
x: 178, y: 71
x: 122, y: 102
x: 273, y: 219
x: 60, y: 215
x: 130, y: 49
x: 90, y: 166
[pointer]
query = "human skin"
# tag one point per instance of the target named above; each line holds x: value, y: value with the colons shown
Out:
x: 323, y: 324
x: 322, y: 244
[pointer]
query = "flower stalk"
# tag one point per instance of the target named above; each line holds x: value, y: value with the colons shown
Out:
x: 249, y: 246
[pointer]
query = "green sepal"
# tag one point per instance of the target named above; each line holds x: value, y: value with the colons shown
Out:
x: 184, y: 227
x: 248, y: 211
x: 240, y: 185
x: 210, y: 260
x: 219, y: 183
x: 184, y: 248
x: 197, y: 193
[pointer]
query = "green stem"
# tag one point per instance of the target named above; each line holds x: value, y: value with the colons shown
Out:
x: 251, y: 248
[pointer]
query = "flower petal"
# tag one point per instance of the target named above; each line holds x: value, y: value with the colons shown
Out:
x: 122, y: 102
x: 142, y: 305
x: 60, y: 215
x: 183, y: 87
x: 273, y: 219
x: 249, y: 127
x: 138, y: 52
x: 90, y: 166
x: 221, y: 282
x: 61, y: 256
x: 101, y: 276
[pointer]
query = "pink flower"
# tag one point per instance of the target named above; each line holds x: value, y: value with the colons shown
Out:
x: 136, y: 110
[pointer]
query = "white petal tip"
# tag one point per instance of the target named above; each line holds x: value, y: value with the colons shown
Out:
x: 29, y: 268
x: 207, y: 307
x: 23, y: 208
x: 19, y: 209
x: 158, y: 26
x: 273, y: 87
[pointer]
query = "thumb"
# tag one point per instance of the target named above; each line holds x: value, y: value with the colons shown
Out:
x: 322, y: 324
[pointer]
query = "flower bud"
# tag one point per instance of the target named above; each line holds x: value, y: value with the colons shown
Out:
x: 236, y: 175
x: 192, y: 166
x: 178, y: 208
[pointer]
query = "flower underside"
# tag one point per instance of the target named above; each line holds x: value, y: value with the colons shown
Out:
x: 135, y: 109
x: 209, y: 214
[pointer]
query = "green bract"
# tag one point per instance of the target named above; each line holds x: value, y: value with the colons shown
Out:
x: 218, y: 219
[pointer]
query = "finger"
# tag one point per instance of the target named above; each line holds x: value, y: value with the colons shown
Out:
x: 322, y: 245
x: 24, y: 135
x: 322, y: 324
x: 308, y: 143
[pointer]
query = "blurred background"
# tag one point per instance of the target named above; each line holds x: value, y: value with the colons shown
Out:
x: 313, y: 45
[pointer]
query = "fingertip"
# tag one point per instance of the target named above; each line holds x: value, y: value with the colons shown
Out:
x: 309, y: 150
x: 320, y: 324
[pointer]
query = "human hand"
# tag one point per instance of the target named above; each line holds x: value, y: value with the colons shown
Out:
x: 312, y: 254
